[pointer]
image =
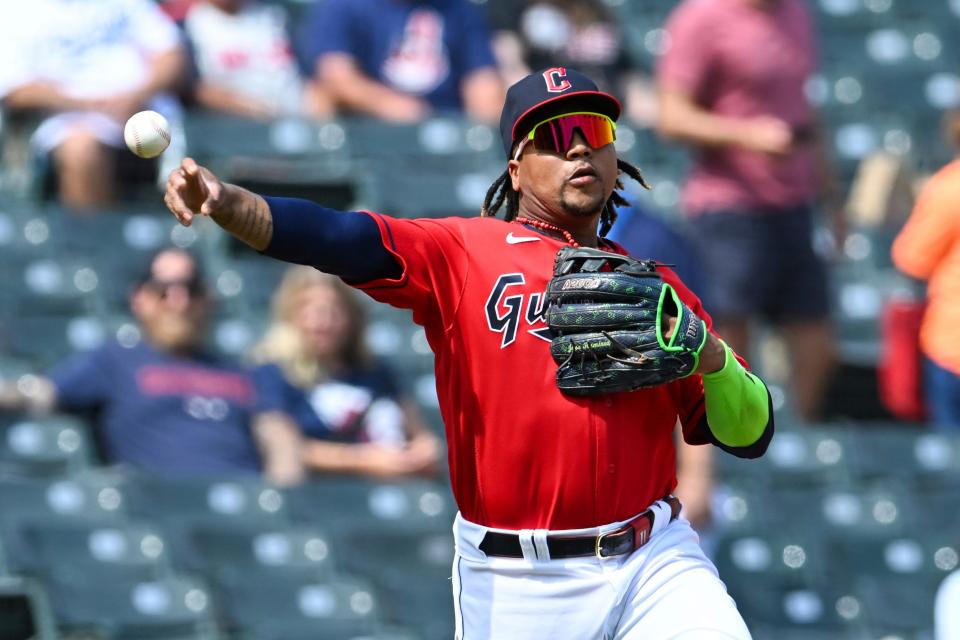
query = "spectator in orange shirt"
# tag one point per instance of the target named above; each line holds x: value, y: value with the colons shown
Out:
x: 928, y: 248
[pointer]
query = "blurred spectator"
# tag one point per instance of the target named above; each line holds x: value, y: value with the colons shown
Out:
x: 399, y: 60
x: 928, y: 248
x: 694, y: 482
x: 84, y: 67
x: 176, y: 9
x: 244, y: 62
x: 162, y: 404
x: 319, y: 376
x: 732, y: 85
x: 646, y: 235
x: 946, y: 615
x: 582, y: 34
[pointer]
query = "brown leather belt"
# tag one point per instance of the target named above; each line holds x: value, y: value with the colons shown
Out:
x: 626, y: 539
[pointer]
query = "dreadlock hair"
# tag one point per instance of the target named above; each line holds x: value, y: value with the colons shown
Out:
x: 502, y: 191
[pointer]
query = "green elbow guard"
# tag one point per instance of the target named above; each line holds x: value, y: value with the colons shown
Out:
x: 737, y: 405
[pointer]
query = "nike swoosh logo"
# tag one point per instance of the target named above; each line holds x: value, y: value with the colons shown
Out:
x: 512, y: 239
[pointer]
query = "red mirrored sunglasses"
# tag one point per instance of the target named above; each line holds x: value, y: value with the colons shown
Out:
x: 556, y: 134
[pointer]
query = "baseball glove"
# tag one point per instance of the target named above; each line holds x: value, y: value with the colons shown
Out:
x: 610, y: 315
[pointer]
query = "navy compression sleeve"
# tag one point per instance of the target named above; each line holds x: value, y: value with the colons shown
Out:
x: 344, y: 243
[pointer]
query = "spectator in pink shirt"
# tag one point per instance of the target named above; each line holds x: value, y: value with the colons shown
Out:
x: 731, y: 85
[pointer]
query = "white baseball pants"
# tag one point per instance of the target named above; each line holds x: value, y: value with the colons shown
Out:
x: 667, y: 589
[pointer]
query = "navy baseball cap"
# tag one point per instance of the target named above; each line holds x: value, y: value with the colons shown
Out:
x: 548, y: 93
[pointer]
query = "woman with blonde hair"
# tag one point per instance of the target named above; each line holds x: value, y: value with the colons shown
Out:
x: 315, y: 372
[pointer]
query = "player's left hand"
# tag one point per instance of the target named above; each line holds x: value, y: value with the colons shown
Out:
x: 618, y: 326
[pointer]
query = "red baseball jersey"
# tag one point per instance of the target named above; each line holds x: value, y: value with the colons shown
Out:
x: 523, y: 455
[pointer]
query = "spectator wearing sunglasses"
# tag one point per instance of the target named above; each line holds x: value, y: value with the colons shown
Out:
x: 162, y: 404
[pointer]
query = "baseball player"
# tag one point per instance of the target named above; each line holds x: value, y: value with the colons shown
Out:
x: 560, y: 440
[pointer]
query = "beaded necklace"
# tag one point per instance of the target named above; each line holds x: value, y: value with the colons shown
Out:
x: 540, y: 224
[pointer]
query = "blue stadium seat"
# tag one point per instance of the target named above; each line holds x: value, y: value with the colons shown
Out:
x: 91, y: 496
x: 795, y: 558
x: 210, y: 502
x: 897, y: 605
x: 348, y: 504
x: 921, y: 556
x: 217, y: 137
x: 411, y: 570
x: 283, y: 608
x: 183, y: 505
x: 804, y: 456
x: 883, y: 509
x: 938, y: 505
x: 436, y: 141
x: 46, y: 339
x: 31, y: 447
x: 98, y: 552
x: 907, y: 452
x: 411, y: 191
x: 237, y: 555
x: 742, y: 504
x: 809, y: 611
x: 171, y: 608
x: 254, y: 279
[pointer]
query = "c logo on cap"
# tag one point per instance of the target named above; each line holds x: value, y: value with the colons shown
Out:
x: 556, y: 79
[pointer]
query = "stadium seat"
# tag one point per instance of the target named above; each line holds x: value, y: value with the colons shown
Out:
x: 212, y: 137
x: 172, y: 608
x: 882, y: 509
x: 209, y: 502
x: 790, y: 604
x: 938, y: 505
x: 903, y: 451
x: 410, y: 191
x: 183, y: 505
x: 411, y: 570
x: 741, y: 504
x: 284, y: 607
x: 803, y: 457
x: 31, y: 447
x: 921, y: 556
x: 352, y: 503
x: 257, y: 280
x: 795, y: 558
x: 120, y: 551
x: 48, y: 285
x: 434, y: 141
x: 899, y: 605
x: 92, y: 496
x: 25, y: 612
x: 234, y: 555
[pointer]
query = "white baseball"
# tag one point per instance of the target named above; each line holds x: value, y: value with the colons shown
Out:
x: 147, y: 134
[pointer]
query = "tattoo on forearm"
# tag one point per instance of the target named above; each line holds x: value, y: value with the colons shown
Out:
x: 248, y: 219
